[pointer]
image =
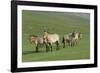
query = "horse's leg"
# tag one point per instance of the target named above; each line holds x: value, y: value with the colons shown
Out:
x: 71, y: 43
x: 68, y: 43
x: 57, y: 43
x: 47, y: 47
x: 37, y: 48
x: 76, y: 42
x: 50, y: 44
x: 64, y: 43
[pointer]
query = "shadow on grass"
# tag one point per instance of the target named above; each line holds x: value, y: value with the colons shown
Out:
x: 31, y: 52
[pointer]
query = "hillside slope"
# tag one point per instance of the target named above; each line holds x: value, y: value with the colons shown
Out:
x: 34, y: 22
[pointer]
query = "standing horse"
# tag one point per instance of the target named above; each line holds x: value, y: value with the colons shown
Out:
x: 77, y: 36
x: 37, y: 41
x: 68, y: 39
x: 49, y: 39
x: 71, y: 38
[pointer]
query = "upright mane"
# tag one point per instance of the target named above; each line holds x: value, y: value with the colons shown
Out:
x: 34, y: 35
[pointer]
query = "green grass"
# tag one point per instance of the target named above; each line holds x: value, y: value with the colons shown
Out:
x: 60, y: 23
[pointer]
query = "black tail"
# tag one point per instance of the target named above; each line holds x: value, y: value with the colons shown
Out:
x: 63, y: 40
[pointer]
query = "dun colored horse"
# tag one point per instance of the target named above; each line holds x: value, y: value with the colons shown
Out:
x: 68, y: 40
x: 71, y: 38
x: 37, y: 41
x: 50, y: 39
x: 77, y: 36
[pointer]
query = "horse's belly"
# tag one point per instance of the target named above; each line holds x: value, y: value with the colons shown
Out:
x: 53, y: 40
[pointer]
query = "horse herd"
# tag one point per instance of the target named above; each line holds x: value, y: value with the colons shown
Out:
x: 48, y: 39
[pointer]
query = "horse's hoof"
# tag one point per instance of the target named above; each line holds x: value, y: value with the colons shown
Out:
x: 47, y: 51
x: 37, y: 51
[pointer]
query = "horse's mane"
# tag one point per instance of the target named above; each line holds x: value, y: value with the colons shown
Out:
x: 34, y: 35
x: 49, y: 32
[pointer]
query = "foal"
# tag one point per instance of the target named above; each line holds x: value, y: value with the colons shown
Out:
x: 37, y: 41
x: 71, y: 38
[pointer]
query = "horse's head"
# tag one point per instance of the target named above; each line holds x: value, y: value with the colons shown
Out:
x: 45, y: 34
x: 77, y: 35
x: 80, y: 35
x: 73, y: 34
x: 33, y: 38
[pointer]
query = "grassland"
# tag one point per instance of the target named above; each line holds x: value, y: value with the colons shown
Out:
x: 61, y: 23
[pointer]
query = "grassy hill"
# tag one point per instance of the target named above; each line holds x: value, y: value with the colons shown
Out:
x: 61, y: 23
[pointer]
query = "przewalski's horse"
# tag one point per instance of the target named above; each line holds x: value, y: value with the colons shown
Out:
x: 50, y: 39
x: 77, y: 36
x: 38, y: 41
x: 68, y: 40
x: 71, y: 38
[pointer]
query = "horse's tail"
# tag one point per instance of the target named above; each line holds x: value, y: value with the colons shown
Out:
x: 63, y: 40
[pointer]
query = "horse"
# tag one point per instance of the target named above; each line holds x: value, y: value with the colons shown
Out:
x: 37, y: 41
x: 71, y: 38
x: 68, y: 39
x: 51, y: 38
x: 77, y: 36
